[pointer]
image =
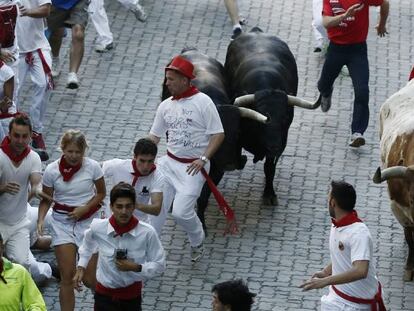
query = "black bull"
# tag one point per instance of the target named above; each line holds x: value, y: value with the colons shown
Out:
x: 256, y: 64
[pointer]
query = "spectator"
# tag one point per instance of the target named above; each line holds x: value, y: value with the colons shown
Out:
x: 232, y: 296
x: 35, y: 59
x: 6, y: 94
x: 75, y: 185
x: 319, y: 31
x: 347, y: 23
x: 351, y: 273
x: 146, y: 179
x: 129, y: 253
x: 18, y: 291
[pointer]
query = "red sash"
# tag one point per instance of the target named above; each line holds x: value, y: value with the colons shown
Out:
x: 223, y: 205
x: 377, y: 303
x: 30, y: 60
x: 123, y: 293
x: 5, y: 146
x: 192, y: 90
x: 138, y: 174
x: 67, y: 209
x: 8, y: 16
x: 411, y: 74
x: 120, y: 230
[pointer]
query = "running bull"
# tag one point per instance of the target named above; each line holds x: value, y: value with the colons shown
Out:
x: 397, y: 157
x: 263, y: 76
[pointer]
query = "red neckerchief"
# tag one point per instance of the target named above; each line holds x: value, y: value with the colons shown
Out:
x: 5, y: 146
x: 138, y: 174
x: 192, y: 90
x: 346, y: 220
x: 133, y: 222
x: 68, y: 170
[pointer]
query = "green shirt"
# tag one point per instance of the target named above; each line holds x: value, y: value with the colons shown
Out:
x: 20, y: 292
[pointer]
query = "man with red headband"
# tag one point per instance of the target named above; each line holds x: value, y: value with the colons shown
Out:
x: 19, y: 168
x: 351, y: 275
x: 194, y: 133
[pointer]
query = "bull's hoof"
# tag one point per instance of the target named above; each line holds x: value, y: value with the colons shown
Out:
x: 408, y: 275
x: 270, y: 200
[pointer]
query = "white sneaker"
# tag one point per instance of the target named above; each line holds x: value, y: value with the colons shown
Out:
x: 345, y: 71
x: 357, y: 140
x: 102, y: 48
x: 197, y: 252
x: 73, y: 82
x: 55, y: 67
x: 139, y: 13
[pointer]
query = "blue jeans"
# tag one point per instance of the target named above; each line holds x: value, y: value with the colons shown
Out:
x: 355, y: 57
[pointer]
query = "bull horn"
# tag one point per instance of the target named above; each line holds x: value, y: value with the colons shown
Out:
x: 299, y: 102
x: 252, y: 114
x: 391, y: 172
x: 244, y: 101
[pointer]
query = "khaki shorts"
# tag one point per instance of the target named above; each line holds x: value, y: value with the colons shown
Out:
x: 78, y: 15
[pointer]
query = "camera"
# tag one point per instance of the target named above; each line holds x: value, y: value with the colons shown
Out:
x: 121, y: 253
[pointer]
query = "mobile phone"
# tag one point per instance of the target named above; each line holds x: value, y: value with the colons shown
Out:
x: 121, y: 253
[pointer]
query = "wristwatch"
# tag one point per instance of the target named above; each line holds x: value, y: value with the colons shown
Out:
x: 204, y: 159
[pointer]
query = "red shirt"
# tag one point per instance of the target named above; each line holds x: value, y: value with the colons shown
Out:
x: 354, y: 29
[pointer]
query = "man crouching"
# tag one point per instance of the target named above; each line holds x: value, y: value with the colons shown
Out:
x: 129, y: 253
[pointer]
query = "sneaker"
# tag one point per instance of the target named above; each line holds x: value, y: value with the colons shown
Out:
x: 345, y: 71
x: 357, y: 140
x: 326, y: 103
x: 73, y: 82
x: 242, y: 20
x: 55, y: 270
x: 197, y: 252
x: 317, y: 50
x: 39, y: 146
x: 236, y: 32
x: 55, y: 67
x: 139, y: 13
x: 102, y: 48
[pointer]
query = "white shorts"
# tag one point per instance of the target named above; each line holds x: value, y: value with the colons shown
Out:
x: 333, y: 302
x: 66, y: 231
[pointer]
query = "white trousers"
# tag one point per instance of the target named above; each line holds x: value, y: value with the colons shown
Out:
x: 319, y: 32
x: 39, y: 85
x: 40, y: 271
x: 183, y: 190
x: 16, y: 242
x: 333, y: 302
x: 100, y: 21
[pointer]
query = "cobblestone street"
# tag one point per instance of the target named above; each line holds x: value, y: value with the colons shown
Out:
x: 277, y: 247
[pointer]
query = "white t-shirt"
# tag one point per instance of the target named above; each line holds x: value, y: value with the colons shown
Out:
x: 13, y: 208
x: 77, y: 191
x: 6, y: 73
x: 190, y: 122
x: 118, y: 170
x: 348, y: 244
x: 31, y: 31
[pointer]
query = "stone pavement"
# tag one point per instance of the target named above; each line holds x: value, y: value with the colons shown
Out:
x: 279, y: 247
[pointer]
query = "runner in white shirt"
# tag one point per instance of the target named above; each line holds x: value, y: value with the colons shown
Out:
x: 6, y: 94
x: 195, y: 133
x: 130, y: 252
x: 351, y: 275
x: 76, y: 186
x: 35, y: 59
x: 145, y: 177
x: 19, y: 168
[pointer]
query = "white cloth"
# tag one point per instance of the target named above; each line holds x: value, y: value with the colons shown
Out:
x: 346, y: 245
x: 32, y: 215
x: 40, y: 271
x: 190, y: 122
x: 319, y: 31
x: 117, y: 170
x: 333, y: 302
x: 14, y: 207
x: 41, y: 93
x: 31, y: 31
x: 16, y: 241
x: 100, y: 21
x: 77, y: 191
x: 67, y: 231
x: 143, y: 247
